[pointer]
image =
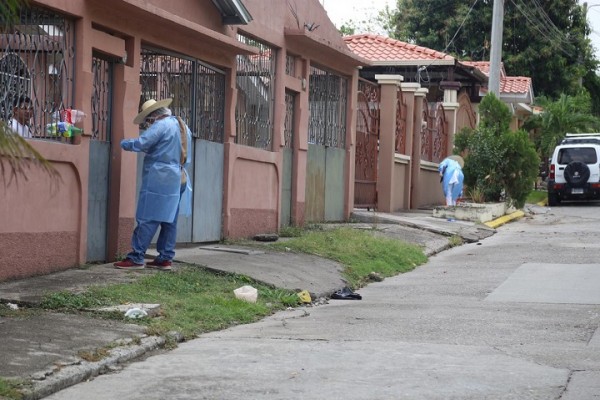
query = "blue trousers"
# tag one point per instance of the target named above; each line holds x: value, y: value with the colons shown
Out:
x: 145, y: 231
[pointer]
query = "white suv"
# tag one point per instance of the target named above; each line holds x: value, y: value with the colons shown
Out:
x: 575, y: 169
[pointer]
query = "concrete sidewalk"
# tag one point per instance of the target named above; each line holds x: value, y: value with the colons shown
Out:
x: 43, y: 347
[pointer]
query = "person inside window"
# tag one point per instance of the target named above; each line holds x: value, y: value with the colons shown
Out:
x: 22, y: 113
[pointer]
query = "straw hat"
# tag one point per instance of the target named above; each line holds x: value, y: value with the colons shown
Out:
x: 149, y: 107
x: 458, y: 159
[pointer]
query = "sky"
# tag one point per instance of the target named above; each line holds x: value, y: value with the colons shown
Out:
x: 593, y: 16
x: 340, y: 11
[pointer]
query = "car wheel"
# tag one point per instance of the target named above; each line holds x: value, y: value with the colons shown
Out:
x: 577, y: 173
x: 553, y: 200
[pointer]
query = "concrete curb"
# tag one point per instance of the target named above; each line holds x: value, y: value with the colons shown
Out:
x: 70, y: 375
x: 505, y: 219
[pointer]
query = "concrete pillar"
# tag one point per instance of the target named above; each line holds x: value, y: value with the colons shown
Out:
x: 450, y: 108
x: 408, y: 92
x: 387, y: 140
x: 415, y: 162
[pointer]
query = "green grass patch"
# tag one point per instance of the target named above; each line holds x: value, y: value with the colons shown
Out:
x: 11, y: 389
x: 359, y: 251
x: 193, y: 300
x: 535, y: 196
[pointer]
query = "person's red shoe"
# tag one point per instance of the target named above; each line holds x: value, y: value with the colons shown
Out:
x: 160, y: 265
x: 128, y: 264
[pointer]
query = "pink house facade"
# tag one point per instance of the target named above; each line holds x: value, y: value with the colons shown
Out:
x: 267, y: 88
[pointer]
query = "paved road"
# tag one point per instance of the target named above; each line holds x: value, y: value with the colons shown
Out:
x: 515, y: 316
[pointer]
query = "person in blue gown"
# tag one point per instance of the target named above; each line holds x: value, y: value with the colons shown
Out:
x: 165, y: 144
x: 451, y: 177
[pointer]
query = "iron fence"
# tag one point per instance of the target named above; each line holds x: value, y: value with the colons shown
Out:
x: 37, y: 59
x: 255, y: 77
x: 197, y: 89
x: 328, y: 99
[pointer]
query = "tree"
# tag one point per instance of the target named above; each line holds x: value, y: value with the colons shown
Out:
x: 542, y: 39
x: 17, y: 156
x: 498, y: 162
x: 567, y: 114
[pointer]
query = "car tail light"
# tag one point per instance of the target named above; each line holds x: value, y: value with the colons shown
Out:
x: 595, y: 185
x: 552, y: 172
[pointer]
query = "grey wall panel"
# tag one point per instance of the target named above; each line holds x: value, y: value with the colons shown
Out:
x: 286, y: 187
x: 208, y: 191
x: 184, y: 223
x: 334, y: 184
x: 98, y: 200
x: 315, y: 184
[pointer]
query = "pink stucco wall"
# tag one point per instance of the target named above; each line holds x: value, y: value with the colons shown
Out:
x: 43, y: 225
x: 53, y: 234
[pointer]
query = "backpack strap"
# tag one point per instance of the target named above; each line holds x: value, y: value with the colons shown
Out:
x: 184, y: 148
x: 184, y: 143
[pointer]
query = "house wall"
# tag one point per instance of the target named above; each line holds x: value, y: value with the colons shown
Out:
x: 53, y: 234
x: 401, y: 187
x: 430, y: 193
x: 261, y: 214
x: 43, y: 228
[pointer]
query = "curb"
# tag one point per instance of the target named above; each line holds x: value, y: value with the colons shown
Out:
x: 505, y: 219
x: 71, y: 375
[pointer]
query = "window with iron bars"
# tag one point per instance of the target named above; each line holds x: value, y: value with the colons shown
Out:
x: 328, y: 99
x: 255, y: 78
x: 37, y: 58
x: 197, y: 89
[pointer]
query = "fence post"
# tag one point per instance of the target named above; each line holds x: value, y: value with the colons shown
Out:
x: 387, y: 140
x: 451, y: 106
x: 415, y: 161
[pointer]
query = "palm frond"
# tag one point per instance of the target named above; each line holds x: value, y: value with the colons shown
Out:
x: 17, y: 157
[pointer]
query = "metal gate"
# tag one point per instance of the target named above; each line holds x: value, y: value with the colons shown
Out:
x: 367, y: 145
x: 99, y: 168
x: 434, y: 134
x: 325, y: 175
x: 198, y: 92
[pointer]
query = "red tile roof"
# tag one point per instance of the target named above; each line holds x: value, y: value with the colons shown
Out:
x: 383, y: 50
x: 508, y: 84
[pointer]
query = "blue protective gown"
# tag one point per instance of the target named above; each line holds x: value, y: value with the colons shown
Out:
x: 447, y: 168
x: 161, y: 174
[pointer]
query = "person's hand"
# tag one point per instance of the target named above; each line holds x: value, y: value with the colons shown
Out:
x: 127, y: 144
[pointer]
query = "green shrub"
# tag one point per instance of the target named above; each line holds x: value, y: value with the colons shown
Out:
x: 498, y: 162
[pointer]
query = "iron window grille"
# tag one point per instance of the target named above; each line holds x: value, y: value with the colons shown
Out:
x: 328, y: 99
x: 37, y: 59
x: 255, y: 78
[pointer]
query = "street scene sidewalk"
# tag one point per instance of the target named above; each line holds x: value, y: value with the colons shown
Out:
x: 44, y: 348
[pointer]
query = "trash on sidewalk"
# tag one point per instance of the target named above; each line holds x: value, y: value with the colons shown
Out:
x: 151, y: 310
x: 246, y: 293
x: 135, y: 313
x: 304, y: 296
x: 346, y: 294
x: 13, y: 306
x: 375, y: 276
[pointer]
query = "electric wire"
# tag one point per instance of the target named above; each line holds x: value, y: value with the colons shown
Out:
x: 555, y: 37
x: 419, y: 71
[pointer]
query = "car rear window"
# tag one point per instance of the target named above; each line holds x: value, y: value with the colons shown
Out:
x: 583, y: 154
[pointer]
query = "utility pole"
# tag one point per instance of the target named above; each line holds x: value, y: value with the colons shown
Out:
x: 496, y: 47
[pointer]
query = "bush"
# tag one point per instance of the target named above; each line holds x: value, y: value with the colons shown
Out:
x: 498, y: 162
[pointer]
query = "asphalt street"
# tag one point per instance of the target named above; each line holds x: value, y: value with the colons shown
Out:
x: 514, y: 316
